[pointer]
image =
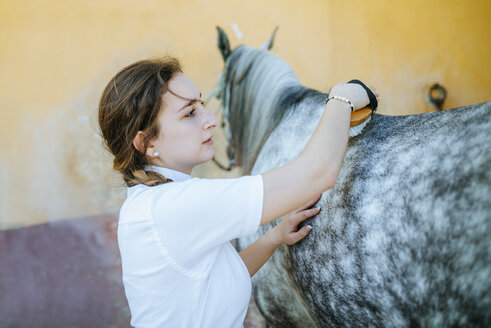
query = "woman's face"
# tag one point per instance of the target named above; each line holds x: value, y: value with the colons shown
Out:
x: 186, y: 128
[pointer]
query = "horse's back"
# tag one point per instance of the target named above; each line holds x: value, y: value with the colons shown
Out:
x: 403, y: 237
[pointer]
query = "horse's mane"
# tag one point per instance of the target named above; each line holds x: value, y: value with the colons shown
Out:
x: 257, y: 78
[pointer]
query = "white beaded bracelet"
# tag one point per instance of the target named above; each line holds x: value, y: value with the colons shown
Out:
x: 346, y: 100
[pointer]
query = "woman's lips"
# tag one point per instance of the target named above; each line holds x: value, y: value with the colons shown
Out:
x: 208, y: 142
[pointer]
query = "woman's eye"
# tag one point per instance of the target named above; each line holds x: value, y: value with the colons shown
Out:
x: 191, y: 113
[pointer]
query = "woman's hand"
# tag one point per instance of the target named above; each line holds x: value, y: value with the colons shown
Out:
x: 286, y: 232
x: 354, y: 92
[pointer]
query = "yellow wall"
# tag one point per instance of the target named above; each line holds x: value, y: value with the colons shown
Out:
x: 57, y: 56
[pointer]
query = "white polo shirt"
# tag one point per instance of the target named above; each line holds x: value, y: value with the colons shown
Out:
x: 179, y: 267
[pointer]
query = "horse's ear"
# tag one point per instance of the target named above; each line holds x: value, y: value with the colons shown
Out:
x: 269, y: 44
x: 223, y: 43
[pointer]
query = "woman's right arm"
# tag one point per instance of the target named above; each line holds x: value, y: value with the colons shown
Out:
x: 317, y: 167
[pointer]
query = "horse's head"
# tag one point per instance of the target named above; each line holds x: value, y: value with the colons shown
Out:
x: 248, y: 90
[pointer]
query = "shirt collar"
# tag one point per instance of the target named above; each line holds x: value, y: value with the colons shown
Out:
x: 175, y: 176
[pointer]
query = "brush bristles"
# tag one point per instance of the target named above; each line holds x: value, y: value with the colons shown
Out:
x: 356, y: 130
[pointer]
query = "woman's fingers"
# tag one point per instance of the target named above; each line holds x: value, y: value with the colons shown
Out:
x: 294, y: 220
x: 300, y: 234
x: 295, y: 237
x: 377, y: 94
x: 303, y: 215
x: 309, y: 204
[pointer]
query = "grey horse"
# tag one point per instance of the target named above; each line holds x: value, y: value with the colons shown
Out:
x: 402, y: 240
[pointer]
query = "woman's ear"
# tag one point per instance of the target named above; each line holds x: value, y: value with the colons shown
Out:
x: 139, y: 144
x: 139, y: 141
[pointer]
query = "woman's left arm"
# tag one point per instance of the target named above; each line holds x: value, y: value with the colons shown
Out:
x: 286, y: 232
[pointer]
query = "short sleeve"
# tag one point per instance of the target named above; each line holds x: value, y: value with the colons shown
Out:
x: 195, y: 216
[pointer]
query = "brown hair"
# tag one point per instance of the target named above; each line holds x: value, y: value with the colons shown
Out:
x: 130, y: 103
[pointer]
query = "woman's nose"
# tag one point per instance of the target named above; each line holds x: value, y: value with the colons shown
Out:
x: 211, y: 121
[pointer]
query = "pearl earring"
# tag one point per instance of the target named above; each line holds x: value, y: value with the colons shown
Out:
x: 155, y: 154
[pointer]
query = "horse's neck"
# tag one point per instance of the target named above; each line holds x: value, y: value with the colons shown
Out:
x: 265, y: 107
x: 259, y: 97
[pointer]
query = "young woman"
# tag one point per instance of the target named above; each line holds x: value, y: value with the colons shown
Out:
x: 174, y: 232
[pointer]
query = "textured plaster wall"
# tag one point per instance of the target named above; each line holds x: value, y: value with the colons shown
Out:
x: 57, y: 56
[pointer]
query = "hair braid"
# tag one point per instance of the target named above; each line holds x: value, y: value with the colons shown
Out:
x: 148, y: 178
